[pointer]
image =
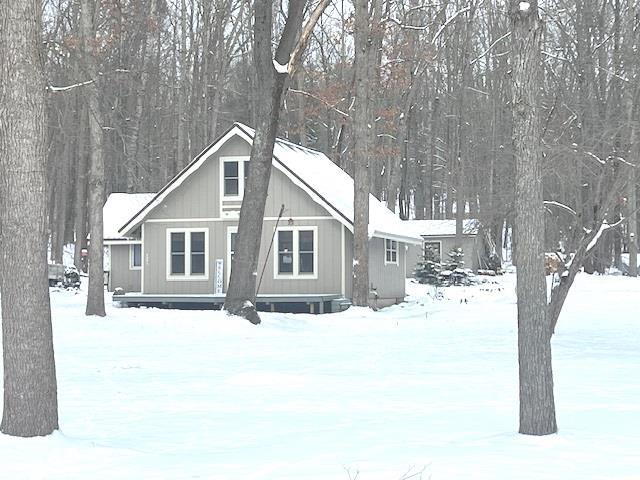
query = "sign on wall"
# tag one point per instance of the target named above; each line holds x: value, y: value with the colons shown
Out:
x: 219, y: 278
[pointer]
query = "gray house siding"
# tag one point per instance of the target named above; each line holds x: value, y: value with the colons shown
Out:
x: 121, y: 275
x: 386, y: 279
x: 328, y: 250
x: 199, y: 196
x: 197, y: 204
x: 469, y: 247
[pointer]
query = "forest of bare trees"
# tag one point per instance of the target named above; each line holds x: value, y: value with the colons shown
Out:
x: 172, y: 75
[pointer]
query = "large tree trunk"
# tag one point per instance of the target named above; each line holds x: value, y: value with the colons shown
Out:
x: 361, y: 157
x: 30, y: 391
x: 241, y: 294
x: 95, y: 298
x: 537, y: 409
x: 80, y: 215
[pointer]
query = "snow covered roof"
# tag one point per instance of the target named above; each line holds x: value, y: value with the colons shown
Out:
x: 313, y: 172
x: 119, y: 208
x: 332, y: 187
x: 441, y: 228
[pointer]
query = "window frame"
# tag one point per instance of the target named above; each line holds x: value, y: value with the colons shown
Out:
x: 188, y: 276
x: 240, y: 160
x: 393, y: 249
x: 132, y: 265
x: 425, y: 242
x: 296, y: 275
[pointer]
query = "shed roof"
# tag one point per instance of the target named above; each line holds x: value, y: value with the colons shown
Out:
x: 119, y: 208
x: 441, y: 228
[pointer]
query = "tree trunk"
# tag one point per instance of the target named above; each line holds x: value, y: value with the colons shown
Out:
x: 361, y: 157
x: 632, y: 221
x: 30, y: 390
x: 632, y: 214
x: 241, y: 294
x: 80, y: 216
x: 95, y: 298
x: 537, y: 409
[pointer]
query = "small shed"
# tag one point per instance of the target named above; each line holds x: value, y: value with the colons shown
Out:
x: 440, y: 236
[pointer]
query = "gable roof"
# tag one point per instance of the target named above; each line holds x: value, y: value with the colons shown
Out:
x: 441, y: 228
x: 119, y: 208
x: 312, y: 171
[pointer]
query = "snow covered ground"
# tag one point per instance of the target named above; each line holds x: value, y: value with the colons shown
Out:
x: 426, y: 388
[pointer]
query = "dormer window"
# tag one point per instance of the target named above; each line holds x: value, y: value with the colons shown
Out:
x: 234, y: 173
x: 231, y: 178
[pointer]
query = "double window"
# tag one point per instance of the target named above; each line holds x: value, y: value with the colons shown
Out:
x: 135, y: 256
x: 390, y: 251
x: 235, y: 173
x: 187, y: 252
x: 297, y: 253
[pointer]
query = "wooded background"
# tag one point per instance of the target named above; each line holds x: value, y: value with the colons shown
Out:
x: 174, y: 74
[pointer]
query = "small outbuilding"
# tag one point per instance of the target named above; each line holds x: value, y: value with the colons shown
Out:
x: 440, y: 237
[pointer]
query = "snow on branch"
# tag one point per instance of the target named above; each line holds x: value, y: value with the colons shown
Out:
x: 490, y: 48
x: 279, y: 67
x: 595, y: 157
x: 603, y: 228
x: 446, y: 24
x: 623, y: 160
x: 51, y: 88
x: 561, y: 205
x: 404, y: 25
x: 321, y: 100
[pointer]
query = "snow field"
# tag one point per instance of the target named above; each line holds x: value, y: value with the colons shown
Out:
x: 428, y: 388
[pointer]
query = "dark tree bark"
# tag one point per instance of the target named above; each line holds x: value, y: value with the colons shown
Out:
x: 95, y: 298
x: 30, y: 391
x: 537, y: 408
x: 361, y: 147
x: 241, y: 294
x: 80, y: 215
x: 361, y: 160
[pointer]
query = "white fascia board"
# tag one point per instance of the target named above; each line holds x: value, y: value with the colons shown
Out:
x: 398, y: 237
x: 206, y: 153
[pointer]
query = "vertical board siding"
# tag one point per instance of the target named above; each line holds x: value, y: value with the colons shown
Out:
x: 196, y: 204
x: 386, y: 279
x: 121, y: 276
x: 327, y: 249
x: 199, y: 195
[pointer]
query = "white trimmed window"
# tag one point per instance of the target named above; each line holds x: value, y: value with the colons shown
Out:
x: 436, y: 248
x: 234, y: 172
x: 135, y: 256
x: 187, y: 253
x: 390, y: 252
x: 296, y: 254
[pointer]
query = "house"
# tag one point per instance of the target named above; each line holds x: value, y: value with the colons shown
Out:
x: 440, y: 237
x: 175, y: 247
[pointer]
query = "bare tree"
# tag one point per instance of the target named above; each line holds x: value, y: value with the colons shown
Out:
x: 30, y: 390
x: 95, y: 298
x: 537, y: 408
